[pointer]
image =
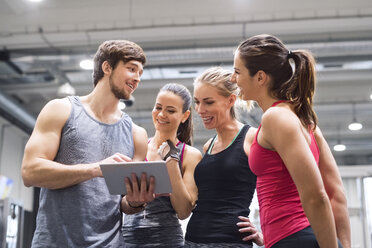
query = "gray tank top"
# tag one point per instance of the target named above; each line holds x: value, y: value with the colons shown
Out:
x: 157, y: 225
x: 84, y: 215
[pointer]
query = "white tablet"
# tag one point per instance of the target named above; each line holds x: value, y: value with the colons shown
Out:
x: 114, y: 175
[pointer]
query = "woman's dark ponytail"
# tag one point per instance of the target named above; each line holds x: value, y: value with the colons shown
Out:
x: 302, y: 87
x: 268, y: 53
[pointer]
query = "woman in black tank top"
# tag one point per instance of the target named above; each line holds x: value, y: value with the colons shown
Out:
x: 225, y: 182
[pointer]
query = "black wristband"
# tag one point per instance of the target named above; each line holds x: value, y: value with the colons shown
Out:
x: 173, y: 151
x: 140, y: 206
x: 174, y: 156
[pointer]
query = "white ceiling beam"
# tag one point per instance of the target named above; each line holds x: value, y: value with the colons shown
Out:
x: 235, y: 31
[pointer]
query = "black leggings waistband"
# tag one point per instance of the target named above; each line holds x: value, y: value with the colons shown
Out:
x: 305, y: 238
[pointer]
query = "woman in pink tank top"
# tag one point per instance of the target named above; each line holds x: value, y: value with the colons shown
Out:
x: 300, y: 192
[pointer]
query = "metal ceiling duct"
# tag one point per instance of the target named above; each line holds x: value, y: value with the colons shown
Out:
x: 15, y: 114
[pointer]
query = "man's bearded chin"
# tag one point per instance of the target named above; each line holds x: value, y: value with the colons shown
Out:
x: 119, y: 94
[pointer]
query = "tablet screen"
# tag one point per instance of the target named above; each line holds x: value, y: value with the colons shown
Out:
x: 115, y: 173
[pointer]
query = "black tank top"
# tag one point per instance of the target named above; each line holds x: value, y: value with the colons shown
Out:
x: 225, y: 189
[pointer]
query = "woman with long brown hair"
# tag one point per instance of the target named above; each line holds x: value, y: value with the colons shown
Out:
x: 300, y: 192
x: 157, y: 224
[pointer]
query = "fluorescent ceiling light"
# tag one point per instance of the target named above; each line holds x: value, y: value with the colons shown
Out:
x: 35, y: 0
x: 339, y: 148
x: 355, y: 126
x: 360, y: 65
x: 87, y: 64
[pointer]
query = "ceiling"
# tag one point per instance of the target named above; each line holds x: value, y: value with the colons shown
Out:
x: 42, y: 43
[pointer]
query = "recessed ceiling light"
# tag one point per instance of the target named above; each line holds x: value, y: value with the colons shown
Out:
x: 35, y: 0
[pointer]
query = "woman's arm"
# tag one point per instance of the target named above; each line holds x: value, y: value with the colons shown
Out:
x: 282, y: 130
x: 184, y: 191
x: 335, y: 190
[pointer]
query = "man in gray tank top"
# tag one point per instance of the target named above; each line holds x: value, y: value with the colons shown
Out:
x: 71, y: 138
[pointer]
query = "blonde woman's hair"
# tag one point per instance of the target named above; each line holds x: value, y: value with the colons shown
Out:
x: 220, y: 79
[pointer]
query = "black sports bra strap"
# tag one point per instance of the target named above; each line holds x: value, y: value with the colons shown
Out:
x: 211, y: 144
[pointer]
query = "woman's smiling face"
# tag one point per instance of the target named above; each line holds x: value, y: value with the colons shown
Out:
x: 167, y: 112
x: 243, y: 79
x: 212, y: 107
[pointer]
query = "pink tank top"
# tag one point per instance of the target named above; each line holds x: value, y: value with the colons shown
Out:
x: 281, y: 212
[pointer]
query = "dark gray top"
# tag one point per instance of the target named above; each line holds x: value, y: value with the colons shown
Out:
x: 84, y: 215
x: 157, y: 225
